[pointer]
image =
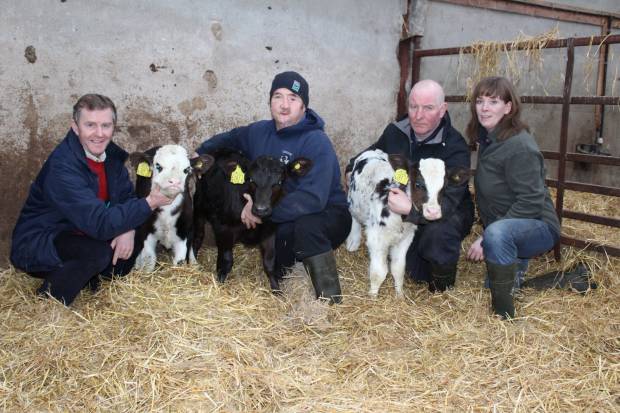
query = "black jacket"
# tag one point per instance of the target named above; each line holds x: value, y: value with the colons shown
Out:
x: 449, y: 146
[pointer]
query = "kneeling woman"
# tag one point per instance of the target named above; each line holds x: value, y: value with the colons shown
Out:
x: 513, y: 202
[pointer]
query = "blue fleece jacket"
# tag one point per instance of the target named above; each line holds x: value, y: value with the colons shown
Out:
x: 63, y: 197
x: 308, y: 194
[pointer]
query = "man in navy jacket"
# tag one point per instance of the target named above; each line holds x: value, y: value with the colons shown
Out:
x: 79, y: 218
x: 427, y: 133
x: 312, y: 217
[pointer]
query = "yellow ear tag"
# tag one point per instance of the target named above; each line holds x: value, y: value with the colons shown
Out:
x: 198, y: 165
x: 144, y: 170
x: 400, y: 176
x: 237, y: 177
x: 297, y: 166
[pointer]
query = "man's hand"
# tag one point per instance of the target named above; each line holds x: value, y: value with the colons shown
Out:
x: 156, y: 199
x: 476, y: 252
x: 122, y: 246
x: 247, y: 217
x: 399, y: 202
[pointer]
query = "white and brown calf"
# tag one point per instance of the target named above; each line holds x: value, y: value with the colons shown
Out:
x: 387, y: 234
x: 169, y: 168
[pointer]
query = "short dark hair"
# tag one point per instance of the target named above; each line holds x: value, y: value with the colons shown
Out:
x: 93, y: 101
x: 511, y: 123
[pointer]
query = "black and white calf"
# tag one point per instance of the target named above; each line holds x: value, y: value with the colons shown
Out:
x: 219, y: 200
x: 387, y: 234
x: 169, y: 168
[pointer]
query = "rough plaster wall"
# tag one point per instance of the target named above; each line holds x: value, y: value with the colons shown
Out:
x: 466, y: 28
x: 181, y: 71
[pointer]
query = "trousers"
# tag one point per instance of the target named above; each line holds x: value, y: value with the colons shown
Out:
x: 83, y: 260
x: 311, y: 235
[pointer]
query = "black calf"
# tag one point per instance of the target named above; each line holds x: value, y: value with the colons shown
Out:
x: 219, y: 200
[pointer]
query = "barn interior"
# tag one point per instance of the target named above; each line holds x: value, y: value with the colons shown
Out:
x: 177, y: 340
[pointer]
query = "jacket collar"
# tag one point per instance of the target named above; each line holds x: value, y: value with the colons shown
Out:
x: 438, y: 136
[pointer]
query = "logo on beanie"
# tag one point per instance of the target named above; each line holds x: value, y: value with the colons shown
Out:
x: 296, y: 86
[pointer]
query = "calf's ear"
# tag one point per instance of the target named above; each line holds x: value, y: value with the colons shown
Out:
x: 398, y: 161
x: 136, y: 157
x: 299, y: 167
x: 458, y: 175
x: 234, y: 171
x: 202, y: 163
x: 141, y: 163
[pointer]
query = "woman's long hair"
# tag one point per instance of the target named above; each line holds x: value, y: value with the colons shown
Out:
x: 511, y: 123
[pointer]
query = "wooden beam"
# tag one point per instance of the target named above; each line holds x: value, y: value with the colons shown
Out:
x: 538, y: 9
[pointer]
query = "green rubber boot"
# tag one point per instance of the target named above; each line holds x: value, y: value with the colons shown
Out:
x: 501, y: 283
x: 324, y: 275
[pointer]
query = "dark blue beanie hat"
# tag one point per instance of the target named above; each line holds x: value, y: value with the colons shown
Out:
x: 293, y: 82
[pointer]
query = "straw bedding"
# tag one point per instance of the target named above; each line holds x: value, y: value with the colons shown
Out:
x: 176, y: 340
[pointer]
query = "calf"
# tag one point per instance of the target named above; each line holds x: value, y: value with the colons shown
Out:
x: 171, y: 225
x: 219, y: 200
x: 387, y: 234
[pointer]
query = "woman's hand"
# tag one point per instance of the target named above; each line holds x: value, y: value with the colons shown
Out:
x: 476, y: 252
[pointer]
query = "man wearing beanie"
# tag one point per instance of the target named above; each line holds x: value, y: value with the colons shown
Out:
x: 313, y: 217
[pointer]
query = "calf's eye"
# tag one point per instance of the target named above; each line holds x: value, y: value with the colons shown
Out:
x: 158, y: 167
x: 187, y: 170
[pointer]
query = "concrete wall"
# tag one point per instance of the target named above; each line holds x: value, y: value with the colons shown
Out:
x: 183, y: 70
x: 461, y: 26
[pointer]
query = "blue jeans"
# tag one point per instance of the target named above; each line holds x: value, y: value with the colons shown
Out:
x: 515, y: 240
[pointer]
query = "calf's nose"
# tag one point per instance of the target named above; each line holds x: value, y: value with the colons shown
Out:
x: 261, y: 210
x: 432, y: 212
x: 174, y: 182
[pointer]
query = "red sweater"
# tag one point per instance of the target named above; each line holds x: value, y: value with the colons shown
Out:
x: 99, y: 169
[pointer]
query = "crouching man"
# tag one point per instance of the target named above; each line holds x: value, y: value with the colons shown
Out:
x: 313, y: 217
x: 79, y: 218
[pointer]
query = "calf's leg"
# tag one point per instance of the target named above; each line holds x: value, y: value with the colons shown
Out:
x: 148, y: 257
x: 377, y: 250
x: 355, y: 236
x: 179, y: 249
x: 398, y: 260
x: 268, y: 253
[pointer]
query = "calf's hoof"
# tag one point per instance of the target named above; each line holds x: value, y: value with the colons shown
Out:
x: 221, y: 277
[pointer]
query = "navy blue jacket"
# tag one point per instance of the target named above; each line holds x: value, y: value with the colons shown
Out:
x: 306, y: 195
x: 63, y: 197
x: 449, y: 146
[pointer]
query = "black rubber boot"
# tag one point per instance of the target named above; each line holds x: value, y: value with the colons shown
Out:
x: 324, y: 276
x: 502, y: 280
x: 577, y: 278
x: 442, y: 277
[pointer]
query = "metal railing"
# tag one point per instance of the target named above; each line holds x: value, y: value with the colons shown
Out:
x: 562, y: 156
